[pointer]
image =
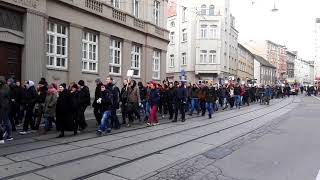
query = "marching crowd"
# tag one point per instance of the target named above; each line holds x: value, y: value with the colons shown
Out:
x: 64, y: 106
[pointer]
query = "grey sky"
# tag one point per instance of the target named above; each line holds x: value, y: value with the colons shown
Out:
x: 293, y: 25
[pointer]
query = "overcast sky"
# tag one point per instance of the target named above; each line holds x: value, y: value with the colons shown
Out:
x: 293, y: 25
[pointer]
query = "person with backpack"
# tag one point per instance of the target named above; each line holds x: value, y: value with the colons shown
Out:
x: 116, y: 102
x: 106, y: 103
x: 84, y: 102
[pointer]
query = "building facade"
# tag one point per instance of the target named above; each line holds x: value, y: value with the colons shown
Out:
x: 246, y: 64
x: 264, y: 72
x: 65, y: 40
x: 200, y: 34
x: 304, y: 71
x: 317, y: 48
x: 291, y: 56
x: 273, y: 53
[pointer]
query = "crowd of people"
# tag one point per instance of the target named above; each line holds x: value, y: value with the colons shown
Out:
x: 41, y: 107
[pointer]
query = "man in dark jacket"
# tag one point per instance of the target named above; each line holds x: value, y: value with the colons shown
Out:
x: 181, y: 95
x: 115, y: 104
x: 106, y: 103
x: 95, y: 105
x: 5, y: 133
x: 211, y: 99
x: 84, y: 102
x: 124, y: 100
x: 171, y: 100
x: 237, y: 92
x: 40, y: 99
x: 30, y: 100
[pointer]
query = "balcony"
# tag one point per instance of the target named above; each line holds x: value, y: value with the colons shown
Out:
x: 107, y: 11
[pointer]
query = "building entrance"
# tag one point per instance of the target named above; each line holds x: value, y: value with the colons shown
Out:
x: 10, y: 60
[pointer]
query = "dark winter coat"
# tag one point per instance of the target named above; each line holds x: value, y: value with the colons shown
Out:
x: 237, y: 90
x: 154, y: 97
x: 106, y: 100
x: 171, y: 95
x: 4, y: 97
x: 31, y: 95
x: 63, y: 111
x: 96, y: 95
x: 115, y: 94
x: 211, y: 95
x: 84, y: 96
x: 181, y: 94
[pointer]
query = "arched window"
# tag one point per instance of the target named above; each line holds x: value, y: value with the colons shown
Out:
x: 203, y: 9
x: 211, y: 10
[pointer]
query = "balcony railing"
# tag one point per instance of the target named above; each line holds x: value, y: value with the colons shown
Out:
x: 119, y: 15
x: 139, y: 23
x: 94, y: 5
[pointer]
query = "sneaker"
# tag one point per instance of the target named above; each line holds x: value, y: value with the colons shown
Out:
x: 9, y: 139
x: 1, y: 141
x: 23, y: 132
x: 156, y: 124
x: 148, y: 124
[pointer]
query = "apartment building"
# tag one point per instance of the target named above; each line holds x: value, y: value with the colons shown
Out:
x: 274, y: 53
x: 304, y: 71
x: 68, y: 40
x: 246, y: 63
x: 200, y: 35
x: 291, y: 56
x: 264, y: 72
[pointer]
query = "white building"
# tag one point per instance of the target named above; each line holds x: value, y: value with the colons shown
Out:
x: 201, y: 40
x: 304, y: 71
x: 317, y: 48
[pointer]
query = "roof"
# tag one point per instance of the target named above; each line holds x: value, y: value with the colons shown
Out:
x: 263, y: 61
x: 172, y: 8
x: 244, y: 48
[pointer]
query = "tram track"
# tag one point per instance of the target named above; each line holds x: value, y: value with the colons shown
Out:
x: 169, y: 134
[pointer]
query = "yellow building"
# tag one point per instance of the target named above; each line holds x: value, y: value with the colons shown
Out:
x: 245, y: 65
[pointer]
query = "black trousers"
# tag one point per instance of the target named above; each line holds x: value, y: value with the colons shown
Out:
x: 28, y: 120
x: 97, y: 114
x: 114, y: 119
x: 171, y: 109
x: 203, y: 107
x: 124, y: 112
x: 81, y: 118
x: 180, y: 106
x: 133, y: 110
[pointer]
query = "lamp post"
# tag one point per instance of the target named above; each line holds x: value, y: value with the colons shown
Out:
x: 275, y: 9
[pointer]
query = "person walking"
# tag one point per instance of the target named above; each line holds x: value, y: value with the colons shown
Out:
x: 30, y: 99
x: 115, y: 103
x: 84, y: 102
x: 50, y: 107
x: 64, y: 121
x: 133, y: 102
x: 40, y: 100
x: 95, y: 105
x: 154, y: 103
x: 124, y: 101
x: 211, y: 99
x: 171, y: 100
x: 106, y: 103
x: 75, y: 104
x: 6, y: 132
x: 194, y: 99
x: 181, y: 95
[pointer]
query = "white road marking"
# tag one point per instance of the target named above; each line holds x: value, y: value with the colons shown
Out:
x: 318, y: 176
x: 319, y: 100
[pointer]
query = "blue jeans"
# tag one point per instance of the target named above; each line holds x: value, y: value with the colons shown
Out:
x: 237, y: 100
x: 106, y: 121
x: 194, y: 105
x: 211, y: 107
x: 4, y: 116
x: 146, y: 110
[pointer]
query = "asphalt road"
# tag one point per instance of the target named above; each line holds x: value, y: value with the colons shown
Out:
x: 256, y: 142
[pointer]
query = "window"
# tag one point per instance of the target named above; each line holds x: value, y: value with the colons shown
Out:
x: 184, y: 9
x: 172, y: 37
x: 171, y: 61
x: 115, y: 55
x: 116, y: 3
x: 211, y: 10
x: 156, y: 65
x: 136, y: 8
x: 203, y: 31
x: 213, y: 32
x: 203, y: 9
x: 89, y: 52
x: 135, y: 60
x: 212, y: 57
x: 184, y: 59
x: 184, y: 35
x: 156, y: 12
x: 57, y: 45
x: 203, y: 56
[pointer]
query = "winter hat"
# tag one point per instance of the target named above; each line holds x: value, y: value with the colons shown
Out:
x: 10, y: 81
x: 81, y: 83
x: 98, y: 80
x: 63, y: 85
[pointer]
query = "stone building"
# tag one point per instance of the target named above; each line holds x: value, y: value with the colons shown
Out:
x: 264, y: 72
x: 68, y: 40
x: 246, y: 63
